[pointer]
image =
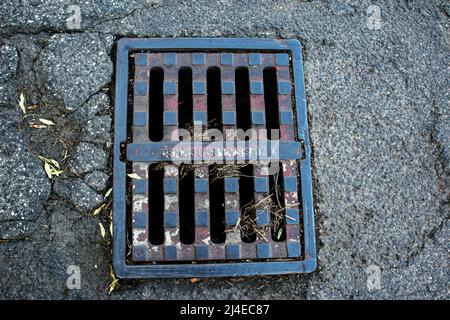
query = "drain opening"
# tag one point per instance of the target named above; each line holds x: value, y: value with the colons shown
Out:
x: 278, y: 212
x: 247, y: 202
x: 186, y: 204
x: 216, y: 182
x: 214, y: 98
x: 155, y: 205
x: 185, y: 101
x: 246, y: 183
x: 243, y: 114
x: 156, y: 104
x: 271, y: 100
x: 276, y: 181
x: 217, y: 205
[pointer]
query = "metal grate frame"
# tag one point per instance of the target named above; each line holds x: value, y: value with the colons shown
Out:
x: 170, y: 53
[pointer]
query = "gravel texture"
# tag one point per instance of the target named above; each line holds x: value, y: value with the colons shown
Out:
x: 79, y: 193
x: 72, y: 67
x: 24, y: 187
x: 97, y: 130
x: 88, y: 157
x: 8, y: 62
x: 96, y: 180
x: 8, y: 66
x: 96, y: 104
x: 379, y: 117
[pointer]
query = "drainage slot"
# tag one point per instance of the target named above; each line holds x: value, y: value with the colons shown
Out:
x: 243, y: 113
x: 271, y: 100
x: 186, y: 204
x: 156, y: 104
x: 123, y: 152
x: 247, y: 204
x: 278, y: 212
x: 216, y: 205
x: 155, y: 205
x: 185, y: 102
x: 214, y: 98
x: 246, y: 184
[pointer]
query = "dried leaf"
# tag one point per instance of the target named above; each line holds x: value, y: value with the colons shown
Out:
x: 108, y: 193
x: 134, y: 176
x: 57, y: 172
x: 112, y: 286
x: 194, y: 280
x: 98, y: 210
x: 32, y: 107
x: 111, y: 229
x: 102, y: 230
x: 22, y: 103
x: 47, y: 122
x: 48, y: 170
x: 43, y: 158
x: 37, y: 125
x: 65, y: 155
x: 51, y: 167
x: 290, y: 218
x: 54, y: 162
x: 111, y: 273
x: 280, y: 232
x: 114, y: 282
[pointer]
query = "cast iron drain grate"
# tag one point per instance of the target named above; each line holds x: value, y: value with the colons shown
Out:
x: 211, y: 159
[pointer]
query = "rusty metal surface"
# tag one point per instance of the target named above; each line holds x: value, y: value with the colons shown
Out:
x: 143, y: 152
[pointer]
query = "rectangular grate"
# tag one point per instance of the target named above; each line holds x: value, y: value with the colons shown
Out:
x: 212, y: 169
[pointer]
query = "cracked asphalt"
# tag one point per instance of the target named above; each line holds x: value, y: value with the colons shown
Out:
x: 377, y: 79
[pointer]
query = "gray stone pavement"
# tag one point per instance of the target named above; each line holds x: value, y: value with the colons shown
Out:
x: 378, y: 103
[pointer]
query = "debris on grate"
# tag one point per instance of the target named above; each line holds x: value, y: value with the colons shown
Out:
x: 211, y: 159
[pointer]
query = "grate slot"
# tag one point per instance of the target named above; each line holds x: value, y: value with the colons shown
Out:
x: 247, y: 202
x: 155, y: 205
x: 278, y: 212
x: 214, y: 98
x: 243, y: 115
x: 217, y: 204
x: 271, y: 100
x: 186, y: 204
x: 185, y: 101
x: 156, y: 104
